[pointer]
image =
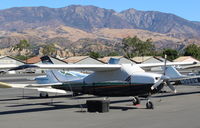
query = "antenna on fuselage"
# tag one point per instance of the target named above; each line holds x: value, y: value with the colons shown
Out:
x: 165, y: 63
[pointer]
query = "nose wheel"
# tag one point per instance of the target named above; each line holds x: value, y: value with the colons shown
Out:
x: 149, y: 104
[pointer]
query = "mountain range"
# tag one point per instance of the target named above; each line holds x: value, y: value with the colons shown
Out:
x: 77, y: 24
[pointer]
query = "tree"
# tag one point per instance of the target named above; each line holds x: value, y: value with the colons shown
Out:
x: 94, y: 55
x: 48, y: 49
x: 23, y: 44
x: 192, y: 50
x: 113, y: 54
x: 136, y: 47
x: 171, y: 54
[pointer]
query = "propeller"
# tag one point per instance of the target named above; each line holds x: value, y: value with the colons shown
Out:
x: 164, y: 79
x: 156, y: 84
x: 171, y: 87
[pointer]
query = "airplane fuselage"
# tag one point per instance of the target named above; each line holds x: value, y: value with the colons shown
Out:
x: 110, y: 89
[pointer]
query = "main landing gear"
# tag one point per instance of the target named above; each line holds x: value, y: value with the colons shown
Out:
x: 136, y: 100
x: 149, y: 104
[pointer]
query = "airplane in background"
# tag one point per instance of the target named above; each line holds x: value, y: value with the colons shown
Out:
x: 109, y: 79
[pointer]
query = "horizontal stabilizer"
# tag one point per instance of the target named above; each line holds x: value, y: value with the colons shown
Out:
x: 51, y: 90
x: 5, y: 85
x: 171, y: 72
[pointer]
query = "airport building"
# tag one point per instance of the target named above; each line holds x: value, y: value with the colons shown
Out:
x: 185, y: 59
x: 161, y: 59
x: 5, y: 60
x: 37, y: 60
x: 82, y: 60
x: 10, y: 60
x: 122, y: 60
x: 146, y: 59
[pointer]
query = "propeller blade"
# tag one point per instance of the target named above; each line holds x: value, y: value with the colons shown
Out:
x: 156, y: 84
x: 171, y: 87
x: 165, y: 65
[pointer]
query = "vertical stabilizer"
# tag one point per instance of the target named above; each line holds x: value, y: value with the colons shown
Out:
x: 46, y: 60
x: 56, y: 76
x: 113, y: 61
x: 171, y: 72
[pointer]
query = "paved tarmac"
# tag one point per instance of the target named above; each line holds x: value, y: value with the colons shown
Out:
x: 171, y: 111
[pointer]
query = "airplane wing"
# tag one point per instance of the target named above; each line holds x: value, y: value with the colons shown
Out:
x: 95, y: 67
x: 39, y: 87
x: 151, y: 65
x: 184, y: 78
x: 8, y: 66
x: 194, y: 66
x: 90, y: 67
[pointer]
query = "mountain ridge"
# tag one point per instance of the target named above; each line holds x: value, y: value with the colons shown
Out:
x: 90, y: 17
x: 80, y: 28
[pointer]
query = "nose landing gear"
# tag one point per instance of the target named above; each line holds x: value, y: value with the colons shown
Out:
x: 149, y: 104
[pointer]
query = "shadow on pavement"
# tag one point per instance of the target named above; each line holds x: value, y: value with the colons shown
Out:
x: 177, y: 94
x: 50, y: 106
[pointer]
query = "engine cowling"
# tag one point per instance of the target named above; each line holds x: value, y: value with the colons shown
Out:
x: 145, y: 78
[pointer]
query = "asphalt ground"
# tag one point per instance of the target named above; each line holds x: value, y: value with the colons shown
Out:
x: 179, y: 110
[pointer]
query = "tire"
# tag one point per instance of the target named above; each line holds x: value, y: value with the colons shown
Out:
x: 136, y: 101
x: 149, y: 105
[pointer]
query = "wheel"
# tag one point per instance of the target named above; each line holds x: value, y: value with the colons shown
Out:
x: 44, y: 95
x: 136, y: 100
x: 149, y: 105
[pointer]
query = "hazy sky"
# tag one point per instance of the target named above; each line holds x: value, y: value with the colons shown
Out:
x: 188, y: 9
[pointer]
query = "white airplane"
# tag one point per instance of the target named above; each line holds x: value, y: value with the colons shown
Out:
x: 110, y: 80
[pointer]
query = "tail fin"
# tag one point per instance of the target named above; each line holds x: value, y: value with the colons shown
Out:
x: 56, y: 76
x: 46, y: 60
x: 113, y: 61
x: 172, y: 72
x: 53, y: 76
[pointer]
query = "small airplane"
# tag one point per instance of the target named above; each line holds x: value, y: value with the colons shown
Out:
x: 110, y: 79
